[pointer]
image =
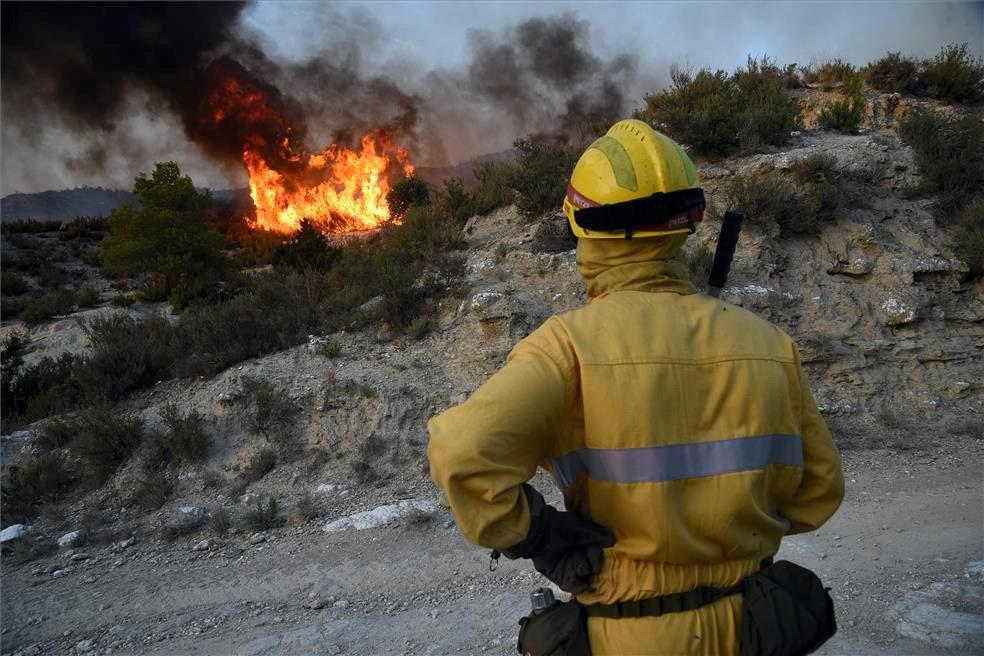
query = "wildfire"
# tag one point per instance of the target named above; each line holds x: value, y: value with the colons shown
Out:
x: 339, y: 189
x: 349, y: 192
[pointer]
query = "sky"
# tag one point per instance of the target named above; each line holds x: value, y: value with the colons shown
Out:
x: 415, y: 43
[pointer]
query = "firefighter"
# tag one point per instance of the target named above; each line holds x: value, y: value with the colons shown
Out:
x: 680, y: 429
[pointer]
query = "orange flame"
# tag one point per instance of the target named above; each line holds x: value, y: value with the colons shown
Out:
x: 348, y: 192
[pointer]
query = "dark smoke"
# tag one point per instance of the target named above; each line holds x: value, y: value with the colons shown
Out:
x: 82, y: 70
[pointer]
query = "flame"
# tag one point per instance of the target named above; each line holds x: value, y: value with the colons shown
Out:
x: 348, y: 192
x: 339, y: 189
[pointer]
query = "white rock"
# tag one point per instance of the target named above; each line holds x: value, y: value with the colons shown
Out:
x: 327, y: 488
x: 12, y: 532
x: 80, y: 556
x: 69, y: 539
x: 193, y: 512
x: 381, y: 516
x: 201, y: 546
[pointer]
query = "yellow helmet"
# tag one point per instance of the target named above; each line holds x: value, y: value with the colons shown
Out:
x: 633, y: 182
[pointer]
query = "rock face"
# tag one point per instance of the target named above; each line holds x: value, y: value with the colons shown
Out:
x: 881, y: 308
x: 12, y: 532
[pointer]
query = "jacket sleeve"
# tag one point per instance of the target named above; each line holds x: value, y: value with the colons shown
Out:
x: 483, y: 450
x: 822, y: 488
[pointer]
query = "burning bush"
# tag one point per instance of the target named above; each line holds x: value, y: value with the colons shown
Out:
x: 407, y: 193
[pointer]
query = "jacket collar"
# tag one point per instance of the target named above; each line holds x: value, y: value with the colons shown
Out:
x: 643, y: 264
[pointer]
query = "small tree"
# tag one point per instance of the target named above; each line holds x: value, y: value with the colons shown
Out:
x: 168, y: 235
x: 407, y: 193
x: 307, y: 250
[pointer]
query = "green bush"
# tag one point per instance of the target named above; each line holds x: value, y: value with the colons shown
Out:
x: 151, y: 490
x: 42, y: 389
x: 407, y: 193
x: 11, y: 284
x: 125, y: 355
x: 954, y: 75
x: 168, y: 235
x: 271, y: 408
x: 542, y: 172
x: 121, y: 301
x: 42, y: 479
x: 45, y: 307
x: 57, y: 433
x: 494, y: 188
x: 844, y: 115
x: 968, y: 235
x: 949, y: 155
x: 719, y: 114
x: 10, y: 308
x: 307, y: 250
x: 103, y: 442
x: 893, y: 73
x: 186, y: 439
x: 52, y: 277
x: 454, y: 202
x: 93, y: 228
x: 830, y: 75
x: 88, y: 297
x: 263, y: 517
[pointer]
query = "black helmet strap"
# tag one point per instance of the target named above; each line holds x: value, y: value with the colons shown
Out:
x: 660, y: 212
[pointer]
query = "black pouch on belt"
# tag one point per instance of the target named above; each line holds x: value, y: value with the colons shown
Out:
x: 787, y: 612
x: 561, y: 630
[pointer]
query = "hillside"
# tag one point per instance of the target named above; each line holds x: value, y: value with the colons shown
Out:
x: 891, y: 330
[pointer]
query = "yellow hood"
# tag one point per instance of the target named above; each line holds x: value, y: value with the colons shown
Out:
x: 609, y: 265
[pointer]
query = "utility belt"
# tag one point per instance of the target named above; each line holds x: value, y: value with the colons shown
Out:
x: 787, y: 612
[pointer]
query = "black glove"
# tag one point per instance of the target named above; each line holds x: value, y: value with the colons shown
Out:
x: 563, y: 547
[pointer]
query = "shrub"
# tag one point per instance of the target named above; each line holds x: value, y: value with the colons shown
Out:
x: 304, y: 511
x: 407, y: 193
x: 307, y: 250
x: 893, y: 73
x: 104, y: 442
x: 271, y: 407
x: 10, y: 308
x: 219, y: 522
x: 42, y: 479
x: 56, y: 433
x: 121, y: 301
x: 186, y: 439
x: 57, y: 303
x: 44, y: 388
x: 272, y: 314
x: 263, y: 517
x: 331, y: 349
x: 454, y: 202
x: 830, y: 75
x: 151, y: 490
x: 949, y: 155
x: 719, y: 114
x: 494, y: 188
x: 12, y: 284
x: 542, y: 172
x: 126, y: 354
x: 169, y: 234
x: 954, y: 75
x: 83, y: 228
x: 844, y: 115
x: 52, y: 277
x: 29, y: 548
x: 260, y: 464
x: 88, y: 297
x: 968, y: 235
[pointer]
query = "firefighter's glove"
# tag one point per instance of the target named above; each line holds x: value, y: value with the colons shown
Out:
x: 564, y: 547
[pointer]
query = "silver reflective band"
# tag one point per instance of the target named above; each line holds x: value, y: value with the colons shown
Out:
x: 657, y: 464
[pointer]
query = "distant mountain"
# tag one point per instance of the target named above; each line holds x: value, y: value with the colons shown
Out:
x: 63, y: 205
x: 68, y: 204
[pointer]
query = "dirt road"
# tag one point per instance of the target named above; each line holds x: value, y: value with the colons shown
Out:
x: 899, y: 556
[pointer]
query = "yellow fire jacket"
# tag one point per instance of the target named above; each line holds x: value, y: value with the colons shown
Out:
x: 680, y: 422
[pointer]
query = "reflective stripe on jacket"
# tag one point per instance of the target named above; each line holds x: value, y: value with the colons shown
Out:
x: 682, y: 423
